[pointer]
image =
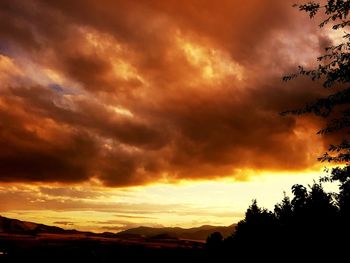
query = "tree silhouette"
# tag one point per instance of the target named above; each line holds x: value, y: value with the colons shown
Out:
x: 284, y: 216
x: 257, y: 225
x: 304, y: 225
x: 334, y: 71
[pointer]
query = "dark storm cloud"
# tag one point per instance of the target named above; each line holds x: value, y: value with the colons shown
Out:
x: 152, y: 90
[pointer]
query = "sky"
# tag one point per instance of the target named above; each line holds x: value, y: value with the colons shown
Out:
x: 115, y: 114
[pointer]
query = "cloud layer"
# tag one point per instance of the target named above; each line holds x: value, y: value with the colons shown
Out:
x: 133, y: 92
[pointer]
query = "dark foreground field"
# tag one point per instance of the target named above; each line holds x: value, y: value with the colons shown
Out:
x: 79, y: 248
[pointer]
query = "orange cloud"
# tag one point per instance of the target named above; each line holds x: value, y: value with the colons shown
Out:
x: 133, y: 92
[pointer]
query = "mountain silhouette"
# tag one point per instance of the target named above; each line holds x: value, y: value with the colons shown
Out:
x: 15, y: 226
x: 196, y: 233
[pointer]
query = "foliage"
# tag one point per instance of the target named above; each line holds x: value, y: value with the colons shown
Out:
x: 313, y: 218
x: 334, y: 71
x: 257, y: 225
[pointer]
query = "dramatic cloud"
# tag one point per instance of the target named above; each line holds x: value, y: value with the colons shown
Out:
x: 133, y: 92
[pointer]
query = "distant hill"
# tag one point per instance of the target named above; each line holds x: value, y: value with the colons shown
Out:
x: 15, y: 226
x: 196, y: 233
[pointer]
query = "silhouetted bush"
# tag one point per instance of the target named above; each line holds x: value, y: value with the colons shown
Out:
x: 311, y: 224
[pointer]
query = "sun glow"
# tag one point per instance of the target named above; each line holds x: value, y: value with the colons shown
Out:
x: 186, y: 204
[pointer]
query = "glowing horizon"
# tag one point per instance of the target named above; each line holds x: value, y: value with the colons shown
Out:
x: 115, y: 114
x: 187, y: 204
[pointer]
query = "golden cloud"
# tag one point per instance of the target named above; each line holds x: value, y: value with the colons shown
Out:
x: 133, y: 92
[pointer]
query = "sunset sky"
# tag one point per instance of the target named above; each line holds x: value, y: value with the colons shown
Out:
x: 115, y: 114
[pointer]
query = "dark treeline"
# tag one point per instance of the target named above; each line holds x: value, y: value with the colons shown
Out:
x: 313, y: 223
